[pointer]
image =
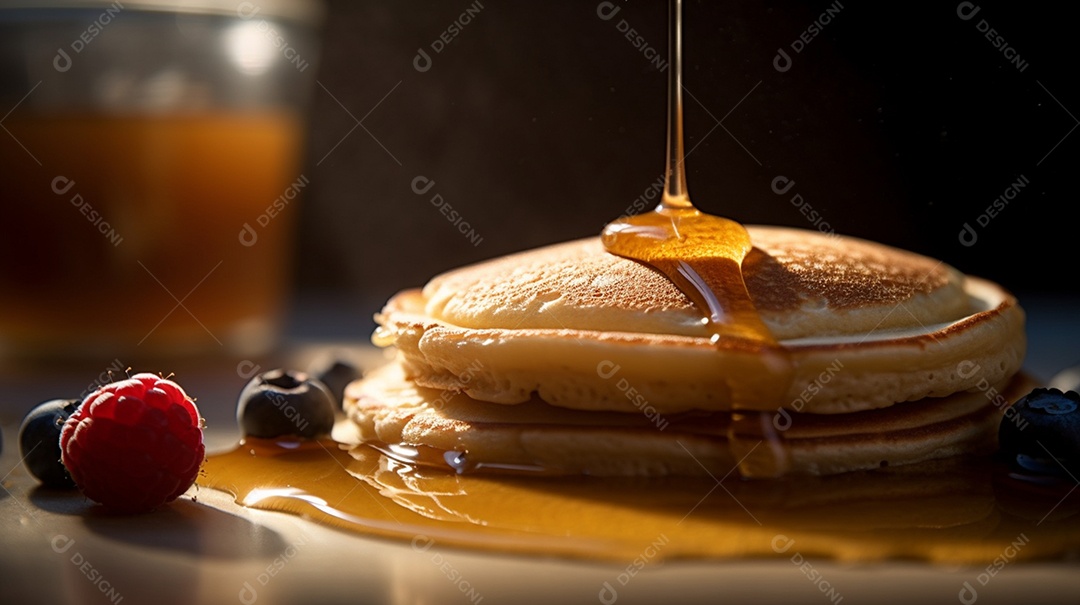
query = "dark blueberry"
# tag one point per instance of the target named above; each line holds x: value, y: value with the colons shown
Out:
x: 284, y: 402
x: 39, y: 441
x: 336, y: 374
x: 1040, y: 433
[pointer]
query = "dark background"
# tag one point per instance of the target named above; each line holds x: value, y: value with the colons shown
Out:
x: 540, y: 122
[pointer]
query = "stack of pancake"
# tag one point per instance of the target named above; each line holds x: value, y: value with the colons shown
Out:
x: 570, y: 360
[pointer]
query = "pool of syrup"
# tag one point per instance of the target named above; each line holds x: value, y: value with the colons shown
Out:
x: 962, y: 511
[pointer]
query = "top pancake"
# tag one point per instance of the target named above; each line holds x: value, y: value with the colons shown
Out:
x: 803, y: 283
x: 865, y: 325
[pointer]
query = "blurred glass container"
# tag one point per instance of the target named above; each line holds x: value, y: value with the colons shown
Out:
x: 150, y: 163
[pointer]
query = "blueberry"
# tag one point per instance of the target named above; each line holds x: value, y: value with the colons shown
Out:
x: 336, y: 374
x: 284, y: 402
x: 39, y: 441
x: 1041, y: 433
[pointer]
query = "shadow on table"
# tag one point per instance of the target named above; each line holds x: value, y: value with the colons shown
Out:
x: 183, y: 526
x: 191, y: 528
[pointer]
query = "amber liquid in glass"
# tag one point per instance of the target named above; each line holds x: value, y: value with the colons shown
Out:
x: 112, y: 220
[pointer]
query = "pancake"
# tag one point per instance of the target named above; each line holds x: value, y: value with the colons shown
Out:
x: 803, y: 283
x: 535, y: 437
x: 570, y: 360
x: 865, y: 325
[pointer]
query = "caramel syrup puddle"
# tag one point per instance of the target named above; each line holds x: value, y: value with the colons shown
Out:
x: 956, y: 511
x: 702, y: 255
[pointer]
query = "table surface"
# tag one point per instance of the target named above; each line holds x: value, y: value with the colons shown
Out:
x: 58, y: 548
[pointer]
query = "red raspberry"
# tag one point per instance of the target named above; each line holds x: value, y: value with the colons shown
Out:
x: 134, y: 444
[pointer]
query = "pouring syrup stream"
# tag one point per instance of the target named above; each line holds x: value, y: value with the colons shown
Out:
x: 702, y: 254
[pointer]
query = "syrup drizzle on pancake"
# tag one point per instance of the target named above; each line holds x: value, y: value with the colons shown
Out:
x: 703, y: 254
x: 700, y: 253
